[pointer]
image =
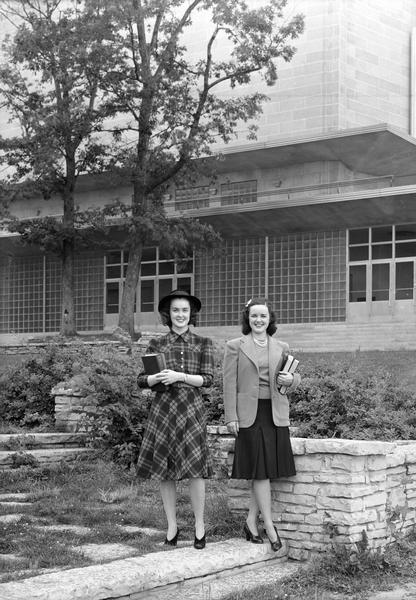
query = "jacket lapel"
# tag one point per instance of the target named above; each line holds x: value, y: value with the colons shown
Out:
x: 247, y: 347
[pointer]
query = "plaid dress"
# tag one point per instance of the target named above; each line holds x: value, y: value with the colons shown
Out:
x: 174, y: 444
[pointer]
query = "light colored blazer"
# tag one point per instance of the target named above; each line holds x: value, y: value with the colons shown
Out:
x: 241, y: 381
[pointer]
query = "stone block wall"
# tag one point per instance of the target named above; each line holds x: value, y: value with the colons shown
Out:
x: 344, y: 491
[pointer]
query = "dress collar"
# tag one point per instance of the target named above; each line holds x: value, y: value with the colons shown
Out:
x: 173, y: 336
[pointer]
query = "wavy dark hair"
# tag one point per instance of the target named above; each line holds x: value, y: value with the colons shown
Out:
x: 245, y: 323
x: 165, y: 312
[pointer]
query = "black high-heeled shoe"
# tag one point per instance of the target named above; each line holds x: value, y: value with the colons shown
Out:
x: 199, y: 544
x: 250, y: 537
x: 277, y: 544
x: 173, y: 541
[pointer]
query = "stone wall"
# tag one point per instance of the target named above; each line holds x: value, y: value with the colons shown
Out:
x: 344, y: 492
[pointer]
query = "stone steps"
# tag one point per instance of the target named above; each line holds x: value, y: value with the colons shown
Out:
x: 182, y: 572
x: 42, y: 448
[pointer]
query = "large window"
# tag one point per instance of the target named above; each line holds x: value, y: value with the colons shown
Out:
x: 159, y: 274
x: 194, y: 197
x: 238, y: 192
x: 380, y: 269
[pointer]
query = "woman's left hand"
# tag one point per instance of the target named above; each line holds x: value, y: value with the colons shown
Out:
x: 285, y: 379
x: 167, y: 376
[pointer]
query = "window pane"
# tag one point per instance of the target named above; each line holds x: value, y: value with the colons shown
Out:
x: 405, y: 249
x: 358, y: 236
x: 381, y: 251
x: 111, y: 303
x: 406, y: 232
x: 184, y: 283
x: 114, y: 258
x: 381, y: 234
x: 358, y: 283
x: 148, y: 269
x: 381, y: 282
x: 166, y: 268
x: 147, y: 296
x: 185, y: 266
x: 165, y: 287
x: 113, y: 272
x: 148, y: 254
x: 404, y: 281
x: 358, y: 253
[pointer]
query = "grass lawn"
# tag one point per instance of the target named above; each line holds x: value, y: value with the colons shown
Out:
x: 103, y: 498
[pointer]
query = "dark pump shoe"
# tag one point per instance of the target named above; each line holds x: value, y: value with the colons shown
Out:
x: 199, y: 544
x: 277, y: 544
x: 250, y: 537
x: 173, y: 541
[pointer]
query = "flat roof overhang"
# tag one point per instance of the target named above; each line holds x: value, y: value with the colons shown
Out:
x: 376, y: 150
x: 321, y: 213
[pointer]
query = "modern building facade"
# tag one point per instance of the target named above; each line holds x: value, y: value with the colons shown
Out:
x: 318, y: 215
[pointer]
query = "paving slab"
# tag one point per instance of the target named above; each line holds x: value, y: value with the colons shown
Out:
x: 403, y: 592
x: 14, y: 518
x: 141, y: 576
x: 17, y: 497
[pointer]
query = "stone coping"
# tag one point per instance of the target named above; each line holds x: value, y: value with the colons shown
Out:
x: 142, y: 574
x: 336, y: 445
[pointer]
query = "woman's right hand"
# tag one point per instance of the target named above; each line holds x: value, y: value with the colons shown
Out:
x: 154, y: 379
x: 233, y: 428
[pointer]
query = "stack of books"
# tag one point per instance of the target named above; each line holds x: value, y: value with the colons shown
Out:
x: 289, y: 366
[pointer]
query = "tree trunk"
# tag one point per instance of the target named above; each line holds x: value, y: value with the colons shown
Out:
x: 126, y: 315
x: 68, y: 312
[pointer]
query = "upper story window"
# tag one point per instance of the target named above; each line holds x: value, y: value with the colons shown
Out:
x: 238, y: 192
x: 194, y: 197
x: 380, y: 243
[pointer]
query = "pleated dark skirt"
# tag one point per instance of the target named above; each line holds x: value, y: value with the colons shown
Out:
x: 263, y: 451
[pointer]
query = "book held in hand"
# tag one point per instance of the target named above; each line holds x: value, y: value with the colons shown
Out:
x: 290, y: 365
x: 154, y: 363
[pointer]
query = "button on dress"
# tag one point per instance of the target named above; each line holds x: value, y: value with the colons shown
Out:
x: 174, y: 444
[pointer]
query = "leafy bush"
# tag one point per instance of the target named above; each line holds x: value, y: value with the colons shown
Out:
x: 342, y: 399
x: 119, y: 408
x: 25, y: 390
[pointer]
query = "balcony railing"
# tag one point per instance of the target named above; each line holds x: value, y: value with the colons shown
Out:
x: 329, y: 188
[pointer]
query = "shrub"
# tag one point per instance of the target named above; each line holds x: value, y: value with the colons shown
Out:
x: 343, y: 400
x: 25, y: 390
x: 120, y: 408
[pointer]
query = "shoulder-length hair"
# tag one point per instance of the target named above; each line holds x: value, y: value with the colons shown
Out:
x: 245, y: 322
x: 165, y: 313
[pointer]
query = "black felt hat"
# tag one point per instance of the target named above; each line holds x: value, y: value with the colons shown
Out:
x: 193, y: 300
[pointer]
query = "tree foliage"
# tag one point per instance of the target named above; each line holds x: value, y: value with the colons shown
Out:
x: 116, y: 86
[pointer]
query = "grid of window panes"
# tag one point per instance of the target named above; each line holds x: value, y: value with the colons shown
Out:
x: 89, y: 282
x: 5, y: 294
x: 225, y: 283
x: 25, y: 295
x: 53, y: 294
x: 307, y: 277
x: 238, y: 192
x: 194, y: 197
x: 159, y: 274
x: 30, y: 300
x: 382, y: 259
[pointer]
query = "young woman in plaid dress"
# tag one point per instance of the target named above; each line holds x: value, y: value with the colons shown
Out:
x: 174, y: 445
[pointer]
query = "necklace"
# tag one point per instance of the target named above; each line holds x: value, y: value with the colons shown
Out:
x: 261, y: 343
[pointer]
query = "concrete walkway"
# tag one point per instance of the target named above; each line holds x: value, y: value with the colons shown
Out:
x: 181, y: 572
